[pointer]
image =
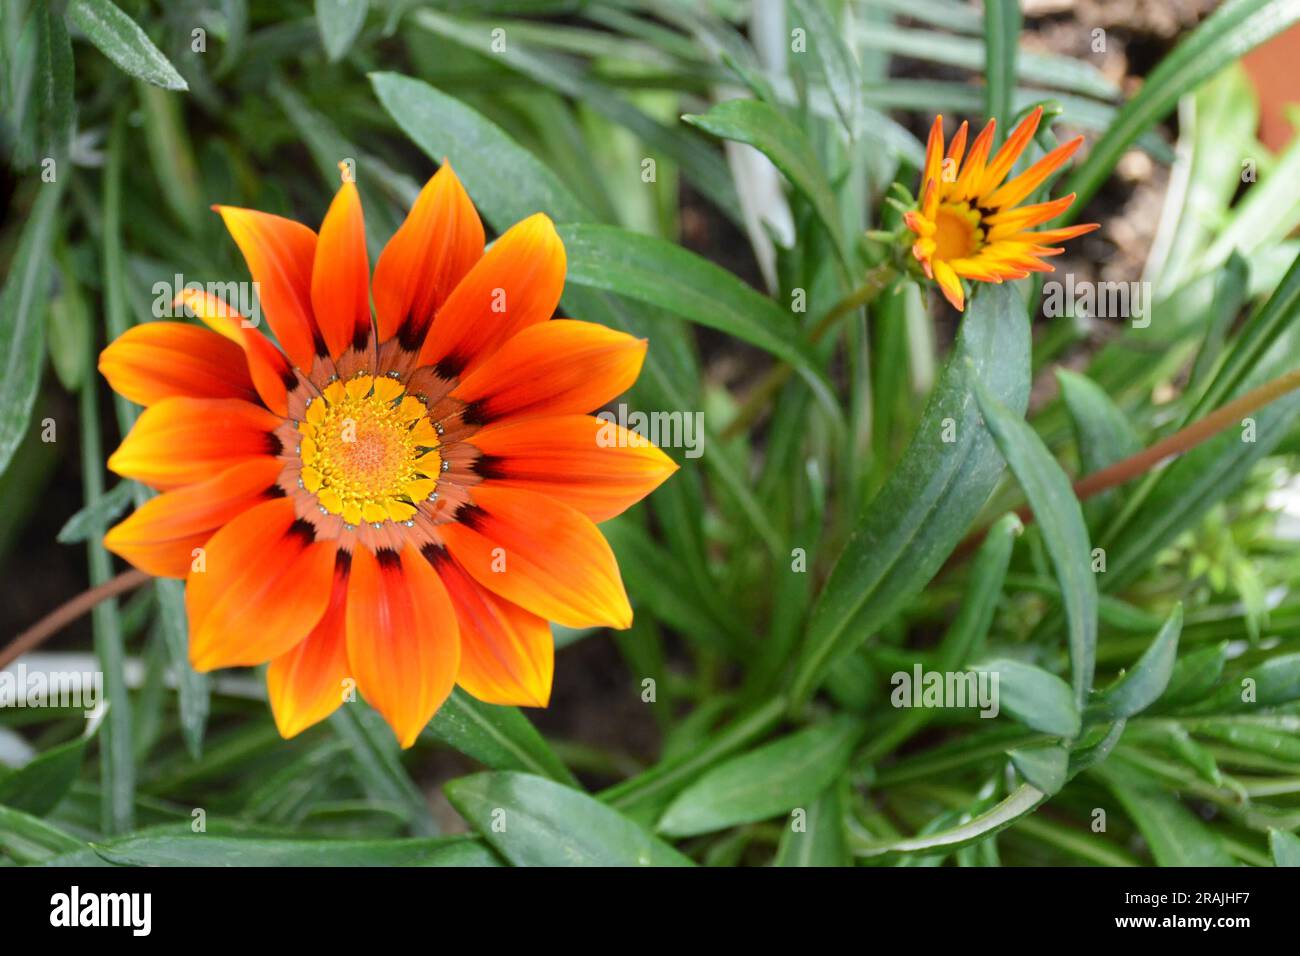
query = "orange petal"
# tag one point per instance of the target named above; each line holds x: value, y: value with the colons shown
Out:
x: 972, y: 173
x: 160, y: 536
x: 179, y: 441
x: 1024, y: 184
x: 950, y: 285
x: 308, y: 683
x: 279, y: 253
x: 157, y: 360
x: 436, y: 246
x: 340, y: 275
x: 596, y: 466
x: 1024, y: 217
x: 1006, y: 157
x: 402, y: 636
x: 555, y: 368
x: 542, y: 555
x: 271, y: 372
x: 957, y: 148
x: 507, y: 655
x: 264, y: 583
x: 934, y: 153
x: 515, y: 285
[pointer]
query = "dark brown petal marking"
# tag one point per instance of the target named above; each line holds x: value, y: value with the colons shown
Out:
x: 388, y: 559
x: 303, y: 531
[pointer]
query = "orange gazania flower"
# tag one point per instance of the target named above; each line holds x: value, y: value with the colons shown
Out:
x: 967, y: 223
x: 405, y: 499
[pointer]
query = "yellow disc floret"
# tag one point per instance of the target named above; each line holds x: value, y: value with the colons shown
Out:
x: 369, y: 451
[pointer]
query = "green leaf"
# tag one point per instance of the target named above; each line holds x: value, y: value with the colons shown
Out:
x: 820, y: 839
x: 339, y: 22
x: 1175, y: 835
x: 930, y: 500
x: 1142, y: 686
x: 842, y: 73
x: 1285, y: 848
x: 176, y: 849
x: 1061, y: 520
x: 22, y: 319
x: 93, y: 518
x: 1022, y: 801
x: 700, y: 164
x: 1273, y: 682
x: 499, y: 737
x: 1195, y: 675
x: 379, y: 764
x: 1034, y: 697
x: 1046, y: 768
x: 29, y: 839
x: 1002, y: 22
x: 760, y: 125
x: 664, y: 274
x: 56, y: 109
x: 120, y: 39
x: 1104, y: 433
x: 656, y: 786
x: 38, y: 786
x: 193, y: 689
x: 532, y: 821
x: 1223, y: 37
x: 774, y: 779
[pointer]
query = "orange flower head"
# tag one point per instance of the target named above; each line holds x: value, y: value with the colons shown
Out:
x: 968, y: 224
x: 398, y: 500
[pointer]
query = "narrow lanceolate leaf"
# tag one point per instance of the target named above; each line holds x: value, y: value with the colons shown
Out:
x: 339, y: 22
x: 120, y: 39
x: 817, y: 837
x: 103, y: 513
x: 192, y: 688
x: 29, y: 839
x: 499, y: 737
x: 1002, y: 21
x: 180, y: 849
x: 37, y: 787
x: 22, y: 319
x: 1285, y: 848
x: 840, y: 68
x: 506, y: 181
x: 1175, y: 835
x: 372, y: 746
x: 664, y: 274
x: 1233, y: 29
x: 1142, y: 686
x: 762, y: 126
x: 777, y: 778
x: 532, y: 821
x: 1022, y: 801
x: 1034, y: 697
x: 54, y: 80
x: 1103, y: 432
x: 927, y: 505
x: 1061, y: 520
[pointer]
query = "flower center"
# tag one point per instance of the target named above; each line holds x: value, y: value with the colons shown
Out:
x: 369, y: 451
x: 957, y: 232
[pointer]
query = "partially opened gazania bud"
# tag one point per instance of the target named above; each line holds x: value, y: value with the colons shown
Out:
x: 397, y: 503
x: 967, y: 223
